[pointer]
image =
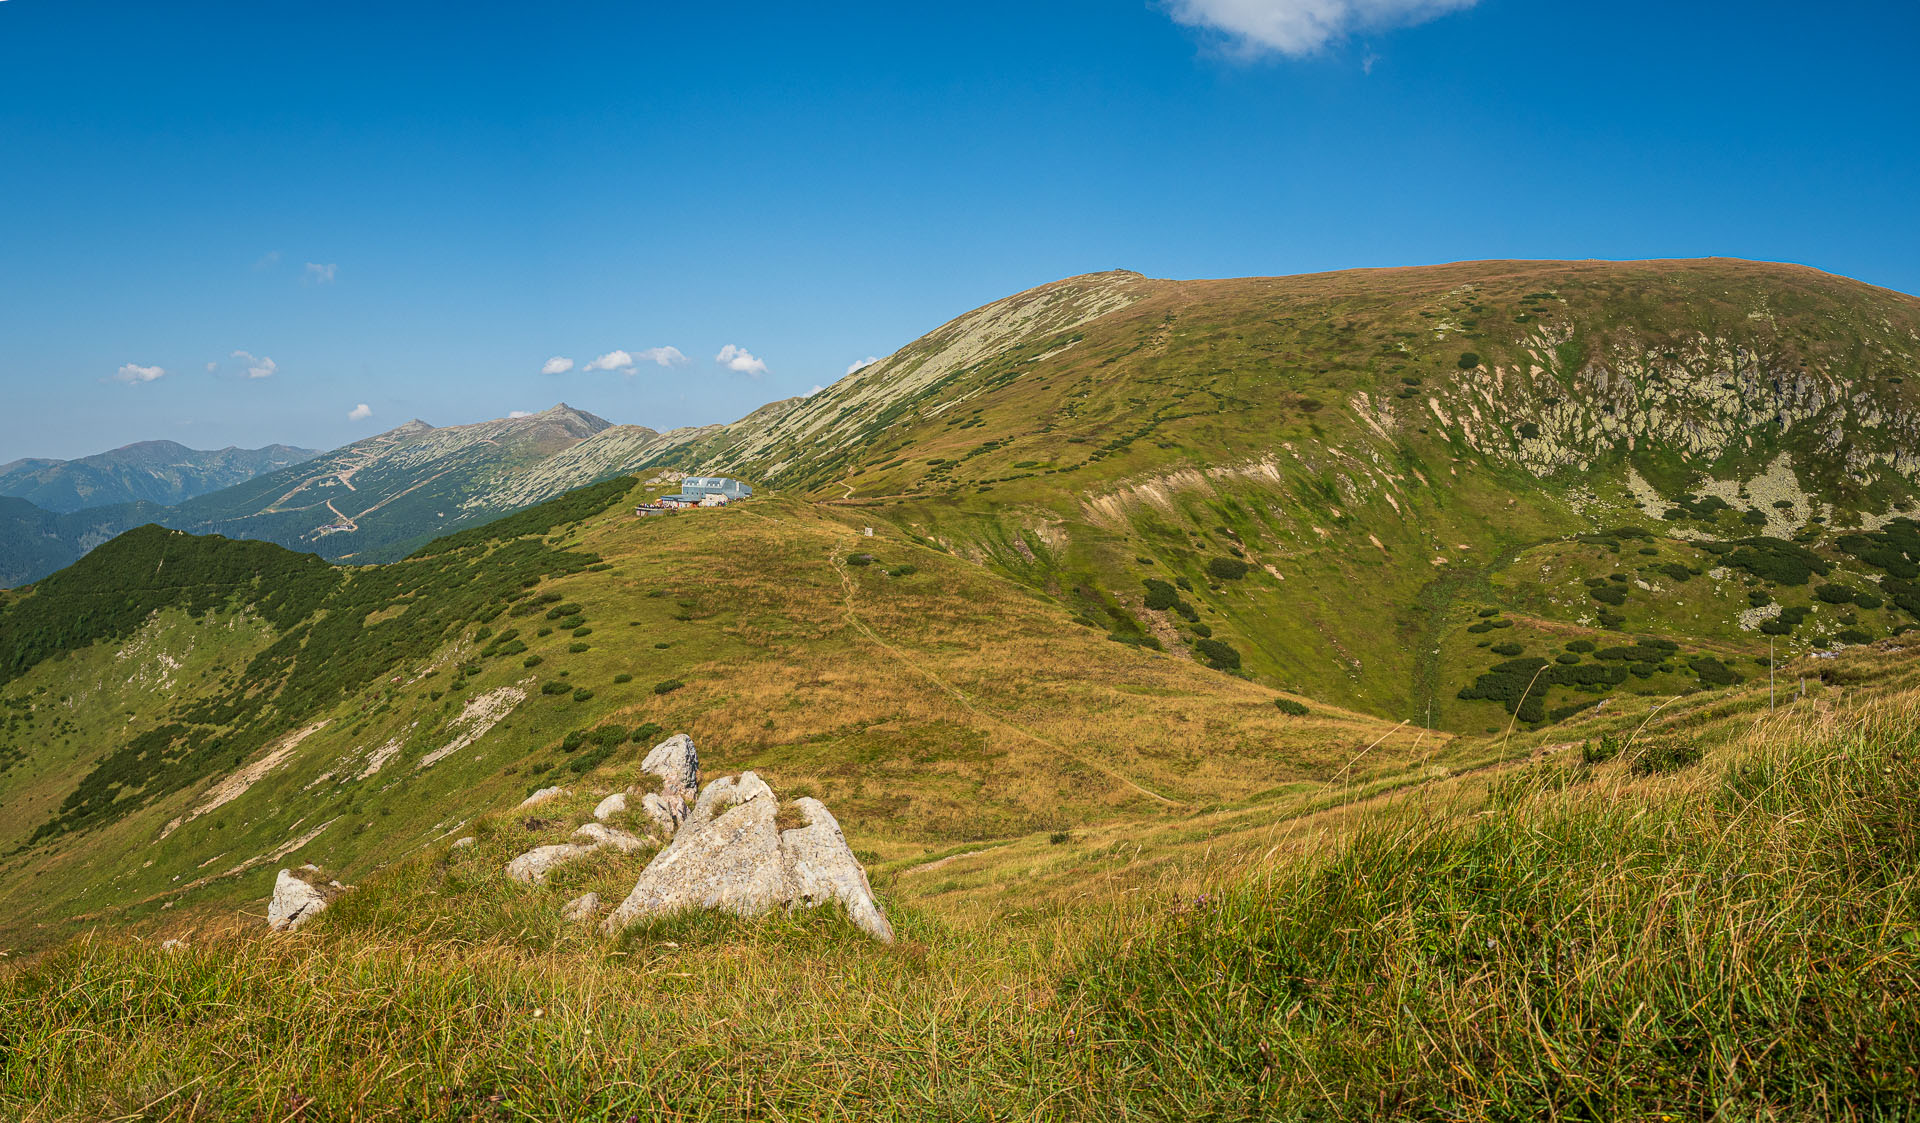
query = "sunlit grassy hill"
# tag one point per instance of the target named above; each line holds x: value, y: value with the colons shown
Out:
x: 1390, y: 454
x: 1705, y: 909
x: 1472, y: 692
x: 248, y: 707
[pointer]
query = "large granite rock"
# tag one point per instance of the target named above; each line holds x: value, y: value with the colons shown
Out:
x: 677, y: 763
x: 821, y: 868
x: 730, y: 853
x: 611, y: 806
x: 295, y: 901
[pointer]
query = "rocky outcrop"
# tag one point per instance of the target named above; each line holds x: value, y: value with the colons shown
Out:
x: 581, y: 907
x: 677, y: 763
x: 730, y: 853
x: 295, y: 901
x: 611, y: 806
x: 725, y: 856
x: 543, y: 795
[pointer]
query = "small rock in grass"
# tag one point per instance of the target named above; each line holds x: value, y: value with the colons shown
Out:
x: 533, y: 867
x: 601, y: 835
x: 294, y: 902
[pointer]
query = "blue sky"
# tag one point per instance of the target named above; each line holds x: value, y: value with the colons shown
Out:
x: 416, y: 206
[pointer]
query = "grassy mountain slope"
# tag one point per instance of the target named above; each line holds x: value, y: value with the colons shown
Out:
x: 1392, y: 453
x: 1715, y: 921
x: 160, y: 472
x: 935, y: 706
x: 1283, y: 698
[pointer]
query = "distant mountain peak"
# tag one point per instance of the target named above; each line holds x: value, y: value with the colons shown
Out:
x: 561, y: 411
x: 411, y: 427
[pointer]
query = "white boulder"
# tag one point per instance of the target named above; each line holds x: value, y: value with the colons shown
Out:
x: 599, y: 834
x: 581, y: 907
x: 611, y: 806
x: 533, y: 867
x: 821, y: 868
x: 294, y: 902
x: 543, y: 795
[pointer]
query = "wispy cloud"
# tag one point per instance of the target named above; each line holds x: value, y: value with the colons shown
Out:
x: 321, y: 274
x: 559, y: 364
x: 1301, y: 27
x: 360, y: 412
x: 741, y: 360
x: 133, y: 374
x: 515, y: 414
x: 863, y: 363
x: 268, y: 260
x: 816, y: 389
x: 261, y: 367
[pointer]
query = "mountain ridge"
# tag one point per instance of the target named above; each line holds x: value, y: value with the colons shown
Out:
x: 158, y: 471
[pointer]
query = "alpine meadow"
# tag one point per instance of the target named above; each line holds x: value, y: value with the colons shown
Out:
x: 532, y: 587
x: 1241, y: 694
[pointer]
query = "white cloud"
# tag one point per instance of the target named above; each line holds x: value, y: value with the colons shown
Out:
x: 1301, y: 27
x: 665, y: 356
x: 623, y: 362
x: 816, y: 389
x: 559, y: 364
x: 133, y: 374
x: 321, y: 274
x: 261, y: 367
x: 741, y: 360
x: 517, y: 413
x: 612, y: 360
x: 866, y: 362
x: 360, y: 412
x: 211, y: 367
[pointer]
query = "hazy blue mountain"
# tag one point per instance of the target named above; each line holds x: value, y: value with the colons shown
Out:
x: 162, y: 472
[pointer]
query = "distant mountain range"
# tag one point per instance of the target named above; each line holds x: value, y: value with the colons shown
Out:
x: 148, y: 472
x: 373, y: 500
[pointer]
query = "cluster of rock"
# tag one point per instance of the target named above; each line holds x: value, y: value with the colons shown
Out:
x: 724, y: 848
x: 731, y: 846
